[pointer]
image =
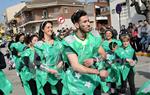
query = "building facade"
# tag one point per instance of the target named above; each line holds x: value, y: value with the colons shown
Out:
x: 37, y: 11
x: 9, y: 17
x: 28, y: 17
x: 102, y: 12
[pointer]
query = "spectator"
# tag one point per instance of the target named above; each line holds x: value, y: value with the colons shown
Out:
x: 139, y: 25
x: 123, y: 30
x: 134, y: 37
x: 114, y: 31
x: 145, y: 32
x: 130, y: 29
x: 5, y: 85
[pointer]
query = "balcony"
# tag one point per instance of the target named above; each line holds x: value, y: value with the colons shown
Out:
x: 102, y: 4
x: 101, y: 18
x: 25, y: 20
x: 28, y: 19
x: 103, y: 13
x: 50, y: 16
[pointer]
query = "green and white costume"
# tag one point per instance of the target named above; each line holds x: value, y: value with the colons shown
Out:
x: 75, y: 83
x: 28, y: 72
x: 5, y: 84
x: 105, y: 44
x: 110, y: 64
x: 125, y: 53
x: 50, y: 56
x: 17, y: 60
x: 144, y: 89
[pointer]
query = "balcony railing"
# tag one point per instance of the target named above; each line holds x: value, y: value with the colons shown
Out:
x: 105, y: 13
x: 51, y: 16
x: 28, y: 19
x: 32, y: 18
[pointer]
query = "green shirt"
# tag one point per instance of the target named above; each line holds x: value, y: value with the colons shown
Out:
x: 125, y: 53
x: 5, y: 84
x: 76, y: 83
x: 17, y: 60
x: 28, y: 72
x: 51, y: 55
x: 105, y: 44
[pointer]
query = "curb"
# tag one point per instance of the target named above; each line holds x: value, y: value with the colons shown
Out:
x: 143, y: 54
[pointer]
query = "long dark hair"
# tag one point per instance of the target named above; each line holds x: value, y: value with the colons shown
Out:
x: 29, y: 38
x: 41, y: 33
x: 18, y: 37
x: 112, y: 45
x: 76, y: 16
x: 110, y: 31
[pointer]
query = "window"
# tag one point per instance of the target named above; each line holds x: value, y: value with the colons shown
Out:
x: 65, y: 10
x: 33, y: 29
x: 45, y: 14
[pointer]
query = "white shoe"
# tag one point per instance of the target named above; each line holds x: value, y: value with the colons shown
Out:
x: 17, y: 74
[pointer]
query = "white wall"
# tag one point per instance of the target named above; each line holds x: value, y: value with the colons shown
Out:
x: 11, y: 11
x: 132, y: 17
x: 114, y: 15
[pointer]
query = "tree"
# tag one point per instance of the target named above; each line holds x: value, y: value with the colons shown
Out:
x: 145, y: 12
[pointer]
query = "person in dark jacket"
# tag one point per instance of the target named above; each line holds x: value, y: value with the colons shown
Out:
x: 2, y: 62
x: 5, y: 85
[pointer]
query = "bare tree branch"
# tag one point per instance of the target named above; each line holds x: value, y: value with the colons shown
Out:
x: 144, y: 2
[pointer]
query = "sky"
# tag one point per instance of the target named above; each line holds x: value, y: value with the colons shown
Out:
x: 7, y: 3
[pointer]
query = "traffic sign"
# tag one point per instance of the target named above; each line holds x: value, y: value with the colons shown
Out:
x: 118, y: 8
x: 61, y: 19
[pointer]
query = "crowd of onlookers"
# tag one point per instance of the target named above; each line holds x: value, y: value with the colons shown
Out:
x: 139, y: 34
x: 61, y: 33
